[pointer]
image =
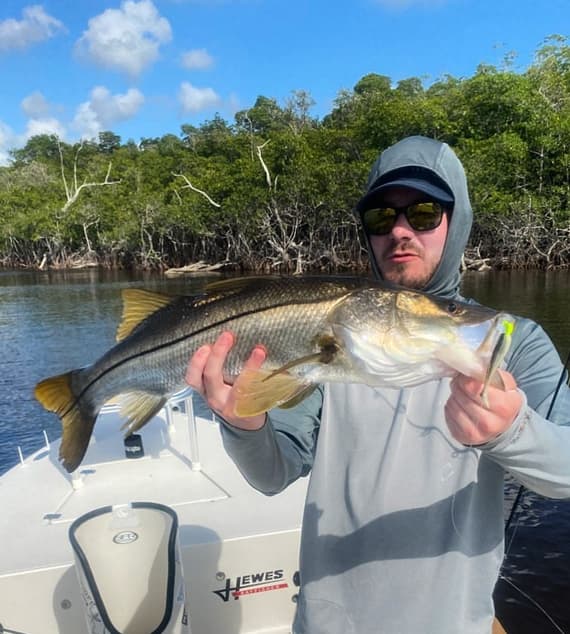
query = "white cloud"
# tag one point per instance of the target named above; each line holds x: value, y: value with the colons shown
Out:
x: 47, y: 125
x: 193, y: 99
x: 35, y: 105
x: 197, y: 59
x: 35, y: 26
x: 104, y: 109
x: 125, y: 39
x: 7, y: 142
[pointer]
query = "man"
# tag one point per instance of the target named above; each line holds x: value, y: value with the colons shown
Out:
x: 403, y: 523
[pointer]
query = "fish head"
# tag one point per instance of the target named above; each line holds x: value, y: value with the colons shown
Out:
x: 404, y: 338
x: 425, y: 316
x: 466, y: 337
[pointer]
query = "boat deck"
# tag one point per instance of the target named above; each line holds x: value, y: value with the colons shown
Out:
x: 227, y: 530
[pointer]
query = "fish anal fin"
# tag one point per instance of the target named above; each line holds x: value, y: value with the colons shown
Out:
x: 258, y: 392
x: 56, y: 395
x: 138, y: 304
x: 138, y: 408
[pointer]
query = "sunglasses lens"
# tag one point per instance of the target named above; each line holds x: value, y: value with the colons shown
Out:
x: 421, y: 217
x: 424, y: 216
x: 379, y: 222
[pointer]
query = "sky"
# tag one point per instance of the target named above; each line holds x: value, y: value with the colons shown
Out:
x: 143, y: 68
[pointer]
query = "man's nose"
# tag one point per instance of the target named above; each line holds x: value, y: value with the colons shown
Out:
x: 402, y: 228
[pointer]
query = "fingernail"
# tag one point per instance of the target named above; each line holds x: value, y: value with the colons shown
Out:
x: 259, y: 352
x: 226, y: 338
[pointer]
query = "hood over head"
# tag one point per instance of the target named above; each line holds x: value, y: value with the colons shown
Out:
x: 431, y: 167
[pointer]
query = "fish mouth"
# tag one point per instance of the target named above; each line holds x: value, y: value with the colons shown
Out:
x: 484, y: 335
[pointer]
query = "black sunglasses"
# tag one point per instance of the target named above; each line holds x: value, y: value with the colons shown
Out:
x: 379, y: 221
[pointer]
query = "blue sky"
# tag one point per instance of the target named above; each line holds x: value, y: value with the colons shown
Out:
x: 142, y: 68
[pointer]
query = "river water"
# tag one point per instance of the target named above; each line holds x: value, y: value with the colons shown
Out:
x: 51, y: 322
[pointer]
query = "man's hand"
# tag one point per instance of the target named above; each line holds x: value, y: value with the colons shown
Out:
x: 204, y: 374
x: 470, y: 421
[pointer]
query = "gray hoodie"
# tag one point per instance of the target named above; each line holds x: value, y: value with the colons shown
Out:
x: 439, y: 159
x: 403, y: 525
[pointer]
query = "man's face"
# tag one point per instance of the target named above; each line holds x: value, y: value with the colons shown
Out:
x: 405, y: 256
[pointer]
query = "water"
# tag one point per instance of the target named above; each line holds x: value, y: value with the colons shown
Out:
x: 53, y: 321
x: 49, y: 323
x: 532, y: 596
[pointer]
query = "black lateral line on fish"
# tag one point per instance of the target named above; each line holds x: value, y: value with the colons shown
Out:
x: 174, y: 342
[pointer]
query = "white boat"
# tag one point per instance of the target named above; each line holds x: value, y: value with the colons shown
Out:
x: 238, y: 548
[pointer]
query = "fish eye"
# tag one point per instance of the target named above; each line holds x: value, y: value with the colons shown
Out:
x: 452, y: 308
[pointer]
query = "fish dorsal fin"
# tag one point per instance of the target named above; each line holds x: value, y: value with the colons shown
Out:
x: 258, y: 391
x: 138, y: 408
x: 237, y: 284
x: 138, y: 304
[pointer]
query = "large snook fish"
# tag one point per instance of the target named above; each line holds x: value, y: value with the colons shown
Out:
x: 315, y: 330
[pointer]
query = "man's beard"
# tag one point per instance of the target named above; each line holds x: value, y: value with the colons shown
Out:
x: 400, y: 273
x: 401, y: 276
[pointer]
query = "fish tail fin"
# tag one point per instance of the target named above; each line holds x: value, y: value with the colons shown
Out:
x: 56, y: 394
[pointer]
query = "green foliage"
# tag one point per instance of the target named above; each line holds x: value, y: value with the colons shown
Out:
x: 275, y: 188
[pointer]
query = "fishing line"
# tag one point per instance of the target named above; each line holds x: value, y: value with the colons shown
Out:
x: 521, y: 490
x: 453, y: 524
x: 516, y: 503
x: 535, y: 603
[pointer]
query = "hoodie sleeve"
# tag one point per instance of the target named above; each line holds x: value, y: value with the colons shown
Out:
x: 281, y: 451
x: 536, y: 450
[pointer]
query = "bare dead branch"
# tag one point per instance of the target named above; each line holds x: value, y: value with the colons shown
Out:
x: 73, y: 196
x: 195, y: 189
x: 263, y: 165
x: 67, y: 194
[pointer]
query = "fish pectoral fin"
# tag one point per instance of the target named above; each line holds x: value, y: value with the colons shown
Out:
x: 138, y: 304
x: 301, y: 396
x: 138, y: 408
x: 310, y: 358
x: 258, y: 391
x: 56, y: 395
x: 329, y: 348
